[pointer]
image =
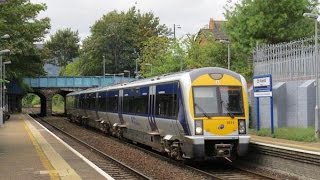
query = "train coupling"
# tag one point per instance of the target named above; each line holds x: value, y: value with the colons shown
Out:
x: 223, y: 150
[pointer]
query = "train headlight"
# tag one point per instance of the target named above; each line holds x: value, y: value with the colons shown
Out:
x: 198, y: 124
x: 242, y: 126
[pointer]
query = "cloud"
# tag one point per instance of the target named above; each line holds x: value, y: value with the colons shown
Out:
x: 79, y: 15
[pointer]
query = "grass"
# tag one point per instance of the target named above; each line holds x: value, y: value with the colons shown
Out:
x: 58, y: 108
x: 295, y: 134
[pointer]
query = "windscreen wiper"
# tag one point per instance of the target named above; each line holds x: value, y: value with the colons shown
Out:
x: 203, y: 111
x: 228, y: 112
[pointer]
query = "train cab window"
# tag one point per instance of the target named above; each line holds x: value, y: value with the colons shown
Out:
x: 231, y: 100
x: 205, y: 101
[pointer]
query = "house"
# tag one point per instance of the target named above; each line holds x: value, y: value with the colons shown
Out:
x: 214, y: 31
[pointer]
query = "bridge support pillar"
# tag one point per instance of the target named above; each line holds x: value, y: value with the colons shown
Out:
x: 46, y: 104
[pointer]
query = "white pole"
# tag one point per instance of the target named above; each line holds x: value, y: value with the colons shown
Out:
x: 317, y: 81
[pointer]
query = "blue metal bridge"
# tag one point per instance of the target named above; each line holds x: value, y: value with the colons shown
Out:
x: 47, y: 86
x: 74, y: 81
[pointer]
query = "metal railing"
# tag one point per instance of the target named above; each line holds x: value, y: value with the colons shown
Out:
x: 286, y: 61
x: 74, y: 82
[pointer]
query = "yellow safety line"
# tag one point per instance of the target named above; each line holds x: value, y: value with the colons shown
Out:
x: 43, y: 158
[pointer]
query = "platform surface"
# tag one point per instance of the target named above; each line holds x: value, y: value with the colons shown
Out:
x: 305, y: 146
x: 29, y: 151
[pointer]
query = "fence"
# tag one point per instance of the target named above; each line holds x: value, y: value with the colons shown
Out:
x: 286, y: 61
x: 293, y: 69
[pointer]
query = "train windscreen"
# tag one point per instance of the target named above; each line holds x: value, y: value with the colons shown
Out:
x: 218, y: 101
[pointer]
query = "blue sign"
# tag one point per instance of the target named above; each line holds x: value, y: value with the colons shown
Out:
x: 262, y: 87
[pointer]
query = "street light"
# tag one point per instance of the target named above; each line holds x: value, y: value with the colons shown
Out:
x: 174, y: 29
x: 316, y: 109
x: 1, y: 85
x: 4, y: 86
x: 148, y: 64
x: 229, y: 49
x: 127, y: 71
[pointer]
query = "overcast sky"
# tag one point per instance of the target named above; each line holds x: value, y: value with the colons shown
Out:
x: 79, y: 15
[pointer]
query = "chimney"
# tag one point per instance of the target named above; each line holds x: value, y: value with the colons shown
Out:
x: 211, y: 24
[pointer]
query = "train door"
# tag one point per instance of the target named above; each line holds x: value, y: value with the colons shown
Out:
x: 151, y: 110
x: 120, y: 106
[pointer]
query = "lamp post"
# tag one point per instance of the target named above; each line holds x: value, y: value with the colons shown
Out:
x: 4, y: 86
x: 316, y: 118
x: 174, y: 29
x: 1, y: 85
x: 229, y: 49
x: 149, y: 64
x: 127, y: 71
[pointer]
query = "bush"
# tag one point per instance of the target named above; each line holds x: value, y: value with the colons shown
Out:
x: 290, y: 133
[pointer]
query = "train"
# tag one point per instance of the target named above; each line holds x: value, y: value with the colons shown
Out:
x: 197, y: 114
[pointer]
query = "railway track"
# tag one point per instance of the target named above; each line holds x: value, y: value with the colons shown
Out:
x: 286, y: 153
x: 228, y: 172
x: 220, y: 170
x: 111, y: 166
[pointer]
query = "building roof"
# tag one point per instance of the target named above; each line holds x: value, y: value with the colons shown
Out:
x: 214, y: 30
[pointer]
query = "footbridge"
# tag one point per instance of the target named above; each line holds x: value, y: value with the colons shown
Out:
x: 48, y: 86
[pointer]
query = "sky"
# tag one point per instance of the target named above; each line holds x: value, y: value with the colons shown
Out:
x: 80, y: 15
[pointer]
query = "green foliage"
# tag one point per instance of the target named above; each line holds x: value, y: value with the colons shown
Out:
x: 72, y: 69
x: 211, y: 53
x: 30, y: 100
x: 168, y: 55
x: 18, y: 19
x: 57, y: 104
x: 118, y: 36
x: 290, y: 133
x: 259, y: 21
x: 163, y: 54
x: 62, y: 47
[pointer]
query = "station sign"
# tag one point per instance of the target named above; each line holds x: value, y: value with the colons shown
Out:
x: 262, y: 86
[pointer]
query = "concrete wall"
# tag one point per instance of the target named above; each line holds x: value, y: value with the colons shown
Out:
x: 293, y: 105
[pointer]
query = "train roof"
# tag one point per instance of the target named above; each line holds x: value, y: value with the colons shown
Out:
x: 194, y: 73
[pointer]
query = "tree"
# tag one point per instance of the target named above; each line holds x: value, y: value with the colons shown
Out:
x: 211, y: 53
x: 18, y: 19
x: 162, y: 54
x: 268, y: 21
x: 259, y: 21
x: 62, y: 47
x: 118, y: 37
x: 71, y: 69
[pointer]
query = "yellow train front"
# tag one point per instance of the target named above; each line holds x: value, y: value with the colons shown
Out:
x: 217, y: 113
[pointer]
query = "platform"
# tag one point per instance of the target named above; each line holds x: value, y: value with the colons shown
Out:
x: 30, y: 151
x: 311, y: 147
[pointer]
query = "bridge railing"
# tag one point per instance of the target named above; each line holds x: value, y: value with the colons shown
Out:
x: 74, y: 81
